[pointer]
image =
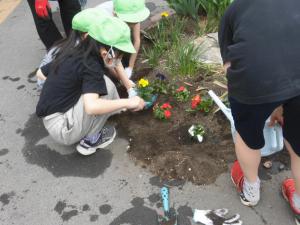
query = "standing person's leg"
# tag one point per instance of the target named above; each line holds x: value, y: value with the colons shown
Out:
x: 248, y: 158
x: 295, y: 166
x: 45, y: 27
x: 291, y: 187
x: 249, y: 122
x: 68, y: 9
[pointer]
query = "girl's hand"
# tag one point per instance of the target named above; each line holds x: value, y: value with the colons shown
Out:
x: 277, y: 116
x: 135, y: 104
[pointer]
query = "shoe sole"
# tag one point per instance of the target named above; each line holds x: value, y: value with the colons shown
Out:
x: 83, y: 151
x: 249, y: 204
x: 286, y: 198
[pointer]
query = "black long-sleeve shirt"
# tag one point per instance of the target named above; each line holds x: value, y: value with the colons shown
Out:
x: 261, y: 39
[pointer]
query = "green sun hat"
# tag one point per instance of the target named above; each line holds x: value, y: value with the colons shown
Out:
x: 82, y: 20
x: 131, y: 11
x: 113, y: 32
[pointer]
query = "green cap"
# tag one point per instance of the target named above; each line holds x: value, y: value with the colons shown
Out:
x: 131, y: 11
x: 82, y: 20
x: 113, y: 32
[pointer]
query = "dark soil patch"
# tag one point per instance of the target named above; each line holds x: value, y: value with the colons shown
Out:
x: 166, y: 147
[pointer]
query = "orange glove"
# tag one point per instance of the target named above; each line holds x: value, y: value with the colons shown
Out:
x: 41, y: 8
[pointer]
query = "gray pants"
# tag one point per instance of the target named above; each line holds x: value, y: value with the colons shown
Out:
x: 70, y: 127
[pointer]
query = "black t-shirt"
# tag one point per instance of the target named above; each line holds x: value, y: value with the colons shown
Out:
x: 64, y: 86
x: 261, y: 39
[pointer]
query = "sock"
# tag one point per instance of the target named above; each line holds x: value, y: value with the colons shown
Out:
x: 92, y: 138
x: 296, y: 200
x: 251, y: 190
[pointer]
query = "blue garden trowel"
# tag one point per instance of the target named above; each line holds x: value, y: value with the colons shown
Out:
x: 273, y: 135
x: 170, y: 218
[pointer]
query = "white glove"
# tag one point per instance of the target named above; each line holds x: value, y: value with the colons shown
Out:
x: 132, y: 92
x: 216, y: 217
x: 128, y: 72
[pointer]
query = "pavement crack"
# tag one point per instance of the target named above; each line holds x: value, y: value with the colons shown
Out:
x: 260, y: 216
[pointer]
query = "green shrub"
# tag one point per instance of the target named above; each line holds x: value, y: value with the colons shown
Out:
x: 162, y: 39
x: 215, y: 9
x: 188, y: 8
x: 152, y: 55
x: 182, y: 60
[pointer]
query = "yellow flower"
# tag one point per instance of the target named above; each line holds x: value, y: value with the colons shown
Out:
x: 164, y: 14
x: 143, y: 82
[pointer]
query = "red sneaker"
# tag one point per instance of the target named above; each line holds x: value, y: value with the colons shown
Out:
x: 288, y: 190
x: 237, y: 177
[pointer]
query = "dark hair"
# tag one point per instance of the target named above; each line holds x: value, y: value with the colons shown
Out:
x: 88, y: 47
x: 74, y: 38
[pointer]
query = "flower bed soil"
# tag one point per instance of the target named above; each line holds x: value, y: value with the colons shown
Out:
x: 166, y: 148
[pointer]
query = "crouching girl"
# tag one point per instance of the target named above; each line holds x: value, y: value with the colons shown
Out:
x: 77, y: 98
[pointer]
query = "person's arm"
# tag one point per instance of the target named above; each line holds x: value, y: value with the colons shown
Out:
x: 43, y: 71
x: 136, y: 43
x: 225, y: 37
x: 40, y: 75
x: 123, y: 77
x: 226, y: 66
x: 113, y: 72
x: 95, y: 105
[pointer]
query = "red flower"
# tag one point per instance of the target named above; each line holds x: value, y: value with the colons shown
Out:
x: 167, y: 114
x: 166, y: 106
x: 195, y: 101
x: 180, y: 89
x: 194, y: 105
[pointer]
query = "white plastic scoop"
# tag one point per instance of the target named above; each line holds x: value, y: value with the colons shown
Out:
x: 273, y: 135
